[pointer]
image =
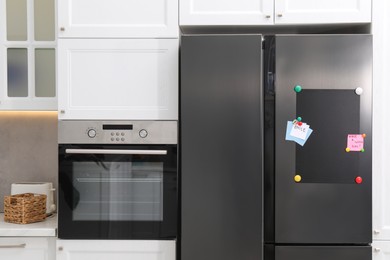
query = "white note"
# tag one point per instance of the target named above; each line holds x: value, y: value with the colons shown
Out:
x: 300, y: 131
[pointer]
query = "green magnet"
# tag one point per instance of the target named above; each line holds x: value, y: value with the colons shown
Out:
x: 299, y: 118
x: 362, y: 150
x: 297, y: 88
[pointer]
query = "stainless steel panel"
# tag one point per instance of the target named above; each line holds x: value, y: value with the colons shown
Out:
x: 322, y: 253
x: 221, y: 144
x: 321, y: 212
x: 157, y: 132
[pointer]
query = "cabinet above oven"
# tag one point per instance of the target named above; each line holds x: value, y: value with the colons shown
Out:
x: 111, y: 79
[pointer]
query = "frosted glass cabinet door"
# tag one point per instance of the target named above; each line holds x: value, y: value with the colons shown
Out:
x: 118, y: 19
x: 16, y: 21
x: 322, y: 12
x: 126, y: 79
x: 226, y: 12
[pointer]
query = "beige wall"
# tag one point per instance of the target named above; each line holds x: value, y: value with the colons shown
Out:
x: 28, y: 149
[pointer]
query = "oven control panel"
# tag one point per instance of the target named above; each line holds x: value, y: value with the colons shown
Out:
x: 118, y: 132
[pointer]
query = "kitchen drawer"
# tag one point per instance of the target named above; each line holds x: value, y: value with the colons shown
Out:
x: 115, y: 249
x: 27, y: 248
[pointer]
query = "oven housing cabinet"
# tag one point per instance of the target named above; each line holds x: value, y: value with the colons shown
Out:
x: 325, y: 214
x: 117, y: 190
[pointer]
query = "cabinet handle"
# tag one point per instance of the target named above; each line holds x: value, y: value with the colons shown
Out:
x: 62, y: 29
x: 376, y: 231
x: 377, y: 249
x: 113, y: 151
x: 268, y: 16
x: 280, y: 15
x: 60, y: 248
x: 13, y: 246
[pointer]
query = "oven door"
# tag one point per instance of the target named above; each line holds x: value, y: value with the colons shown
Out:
x: 117, y: 191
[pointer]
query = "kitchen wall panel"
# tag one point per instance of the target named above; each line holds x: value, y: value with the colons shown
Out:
x: 28, y: 149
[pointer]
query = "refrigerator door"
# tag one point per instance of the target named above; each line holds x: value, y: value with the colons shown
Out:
x: 221, y: 147
x: 323, y: 252
x: 323, y: 188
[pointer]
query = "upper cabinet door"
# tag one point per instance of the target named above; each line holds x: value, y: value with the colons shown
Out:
x: 118, y: 19
x: 322, y: 12
x: 226, y: 12
x: 118, y: 79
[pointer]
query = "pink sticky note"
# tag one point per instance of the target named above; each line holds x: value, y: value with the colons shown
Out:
x: 355, y: 143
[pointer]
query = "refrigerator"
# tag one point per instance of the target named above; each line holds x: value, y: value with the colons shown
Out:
x: 275, y: 139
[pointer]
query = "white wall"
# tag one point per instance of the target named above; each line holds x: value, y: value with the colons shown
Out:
x: 28, y: 149
x: 381, y: 115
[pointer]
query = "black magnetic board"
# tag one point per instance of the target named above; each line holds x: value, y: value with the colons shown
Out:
x: 332, y: 114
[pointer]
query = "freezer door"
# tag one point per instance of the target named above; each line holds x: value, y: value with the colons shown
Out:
x: 323, y: 187
x: 322, y: 253
x: 221, y: 147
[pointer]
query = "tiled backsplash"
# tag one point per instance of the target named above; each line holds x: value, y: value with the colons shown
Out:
x: 28, y: 149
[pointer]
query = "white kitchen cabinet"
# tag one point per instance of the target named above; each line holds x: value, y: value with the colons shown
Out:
x: 381, y: 250
x: 27, y: 55
x: 111, y: 79
x: 381, y: 123
x: 226, y: 12
x: 27, y: 248
x: 115, y: 249
x: 265, y: 12
x: 322, y: 12
x: 118, y: 19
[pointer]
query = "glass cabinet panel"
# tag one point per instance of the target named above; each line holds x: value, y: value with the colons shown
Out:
x: 16, y: 20
x: 45, y: 77
x: 44, y: 20
x: 17, y: 72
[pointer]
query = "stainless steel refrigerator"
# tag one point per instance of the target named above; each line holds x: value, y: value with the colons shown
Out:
x: 275, y: 147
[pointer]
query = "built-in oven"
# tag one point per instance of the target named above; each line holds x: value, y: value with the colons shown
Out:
x: 118, y: 180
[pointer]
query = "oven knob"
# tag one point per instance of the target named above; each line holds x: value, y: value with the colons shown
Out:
x: 91, y: 133
x: 143, y: 133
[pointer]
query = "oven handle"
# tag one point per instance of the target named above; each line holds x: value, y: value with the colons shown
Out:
x: 109, y: 151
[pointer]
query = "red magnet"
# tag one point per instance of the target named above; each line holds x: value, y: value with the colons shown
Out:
x: 358, y: 180
x: 299, y: 123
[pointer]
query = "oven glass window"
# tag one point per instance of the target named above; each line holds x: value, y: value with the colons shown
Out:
x: 118, y: 191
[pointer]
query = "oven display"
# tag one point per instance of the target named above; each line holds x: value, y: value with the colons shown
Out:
x: 117, y: 127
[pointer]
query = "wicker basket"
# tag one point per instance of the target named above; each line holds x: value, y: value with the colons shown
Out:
x: 25, y: 208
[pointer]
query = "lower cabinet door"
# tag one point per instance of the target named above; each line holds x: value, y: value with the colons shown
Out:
x: 30, y: 248
x: 381, y: 250
x: 115, y: 250
x: 322, y: 253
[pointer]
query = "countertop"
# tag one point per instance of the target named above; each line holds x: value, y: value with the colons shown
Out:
x: 46, y: 228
